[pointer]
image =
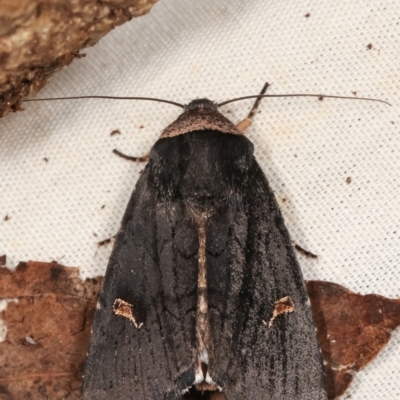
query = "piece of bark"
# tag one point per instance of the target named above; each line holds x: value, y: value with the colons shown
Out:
x: 352, y: 330
x: 40, y: 37
x: 48, y: 330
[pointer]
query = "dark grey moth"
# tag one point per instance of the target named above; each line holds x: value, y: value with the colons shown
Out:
x: 203, y: 290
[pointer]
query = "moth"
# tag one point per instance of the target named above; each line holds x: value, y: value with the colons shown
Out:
x: 203, y: 291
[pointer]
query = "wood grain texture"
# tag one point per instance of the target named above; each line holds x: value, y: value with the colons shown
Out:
x: 40, y: 37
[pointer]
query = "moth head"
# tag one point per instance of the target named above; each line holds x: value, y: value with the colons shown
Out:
x: 199, y: 115
x: 201, y: 104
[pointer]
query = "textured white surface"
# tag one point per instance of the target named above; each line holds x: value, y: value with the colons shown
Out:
x: 186, y: 49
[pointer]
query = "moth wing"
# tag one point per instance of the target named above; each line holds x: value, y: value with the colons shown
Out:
x: 153, y: 267
x: 251, y: 360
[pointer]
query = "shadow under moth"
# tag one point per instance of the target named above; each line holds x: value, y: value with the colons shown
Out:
x: 203, y: 291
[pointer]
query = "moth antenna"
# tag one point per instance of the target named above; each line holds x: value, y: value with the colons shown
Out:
x: 109, y: 97
x: 320, y: 97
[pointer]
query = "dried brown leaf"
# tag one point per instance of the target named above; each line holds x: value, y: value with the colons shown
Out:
x: 352, y: 329
x: 48, y: 330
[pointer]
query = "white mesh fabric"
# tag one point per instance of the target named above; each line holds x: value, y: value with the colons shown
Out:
x: 307, y: 148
